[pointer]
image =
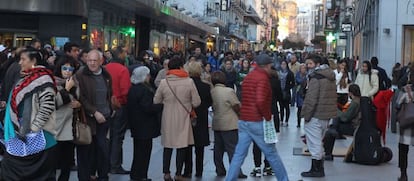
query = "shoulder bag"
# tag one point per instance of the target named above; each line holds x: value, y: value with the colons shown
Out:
x: 192, y: 113
x: 405, y: 116
x: 82, y: 134
x: 21, y: 145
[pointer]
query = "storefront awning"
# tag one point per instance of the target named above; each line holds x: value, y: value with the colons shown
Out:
x: 172, y: 18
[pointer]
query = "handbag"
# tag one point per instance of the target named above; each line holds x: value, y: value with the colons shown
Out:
x: 82, y: 134
x: 192, y: 113
x: 30, y: 144
x: 405, y: 116
x: 21, y: 145
x: 269, y: 132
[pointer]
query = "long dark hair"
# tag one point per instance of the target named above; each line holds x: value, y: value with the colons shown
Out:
x: 344, y: 79
x: 369, y: 71
x: 287, y: 65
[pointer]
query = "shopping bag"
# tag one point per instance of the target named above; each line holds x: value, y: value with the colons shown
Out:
x: 269, y: 132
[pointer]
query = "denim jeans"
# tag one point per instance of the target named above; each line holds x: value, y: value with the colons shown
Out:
x: 117, y: 135
x: 253, y: 131
x: 97, y: 151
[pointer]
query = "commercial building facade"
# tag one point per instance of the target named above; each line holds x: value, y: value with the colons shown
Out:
x: 384, y: 29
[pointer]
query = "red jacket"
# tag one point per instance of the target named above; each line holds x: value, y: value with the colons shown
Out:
x: 120, y: 81
x: 256, y: 96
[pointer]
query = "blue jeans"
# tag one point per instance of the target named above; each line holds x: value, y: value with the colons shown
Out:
x: 117, y: 134
x: 253, y: 131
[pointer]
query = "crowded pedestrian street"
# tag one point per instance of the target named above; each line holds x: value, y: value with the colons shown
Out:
x: 209, y: 90
x: 289, y: 138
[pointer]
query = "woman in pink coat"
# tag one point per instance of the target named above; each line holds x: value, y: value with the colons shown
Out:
x: 179, y: 95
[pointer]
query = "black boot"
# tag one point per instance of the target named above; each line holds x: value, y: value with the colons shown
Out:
x: 317, y: 169
x: 403, y: 161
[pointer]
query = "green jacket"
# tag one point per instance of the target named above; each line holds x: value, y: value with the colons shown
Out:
x: 352, y: 114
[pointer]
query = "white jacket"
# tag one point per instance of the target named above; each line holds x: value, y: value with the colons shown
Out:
x: 368, y: 89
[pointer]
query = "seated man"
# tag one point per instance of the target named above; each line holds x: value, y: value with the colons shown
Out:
x: 345, y: 123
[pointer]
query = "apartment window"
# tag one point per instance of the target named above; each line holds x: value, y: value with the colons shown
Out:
x: 408, y: 43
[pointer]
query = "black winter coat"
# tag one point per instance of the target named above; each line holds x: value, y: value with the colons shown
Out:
x: 143, y: 115
x: 276, y: 91
x: 290, y: 83
x: 200, y: 131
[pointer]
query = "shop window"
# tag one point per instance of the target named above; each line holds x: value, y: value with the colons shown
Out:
x: 408, y: 43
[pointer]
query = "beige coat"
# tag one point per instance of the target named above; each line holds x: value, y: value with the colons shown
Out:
x: 176, y: 130
x: 224, y: 98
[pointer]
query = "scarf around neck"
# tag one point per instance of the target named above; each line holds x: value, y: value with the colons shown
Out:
x: 33, y: 80
x: 283, y: 77
x: 178, y: 72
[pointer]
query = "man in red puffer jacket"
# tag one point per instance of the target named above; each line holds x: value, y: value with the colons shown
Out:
x: 256, y: 108
x: 120, y: 85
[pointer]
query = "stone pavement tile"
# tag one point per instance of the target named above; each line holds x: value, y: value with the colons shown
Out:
x: 289, y: 137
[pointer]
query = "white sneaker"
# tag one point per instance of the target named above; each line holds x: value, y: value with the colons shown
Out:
x: 257, y: 172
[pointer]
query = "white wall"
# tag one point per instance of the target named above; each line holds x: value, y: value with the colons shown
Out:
x: 393, y: 15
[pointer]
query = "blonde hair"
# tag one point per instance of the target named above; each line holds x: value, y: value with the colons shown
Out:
x: 194, y: 69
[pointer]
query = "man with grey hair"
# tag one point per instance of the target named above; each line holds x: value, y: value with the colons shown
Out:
x: 95, y: 85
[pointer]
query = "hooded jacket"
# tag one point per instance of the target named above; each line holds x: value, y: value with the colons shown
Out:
x: 368, y: 88
x: 320, y: 99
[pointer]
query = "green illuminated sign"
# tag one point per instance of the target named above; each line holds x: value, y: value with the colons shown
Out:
x: 166, y: 10
x: 129, y: 31
x: 330, y: 38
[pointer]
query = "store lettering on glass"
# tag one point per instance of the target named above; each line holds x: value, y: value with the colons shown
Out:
x: 410, y: 7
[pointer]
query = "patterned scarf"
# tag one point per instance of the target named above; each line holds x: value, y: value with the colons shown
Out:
x: 283, y: 78
x: 33, y: 80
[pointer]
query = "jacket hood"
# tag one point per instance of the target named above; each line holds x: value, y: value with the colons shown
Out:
x: 324, y: 71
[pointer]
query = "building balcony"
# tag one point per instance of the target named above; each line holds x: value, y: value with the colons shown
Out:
x: 236, y: 31
x: 254, y: 18
x: 248, y: 12
x: 214, y: 21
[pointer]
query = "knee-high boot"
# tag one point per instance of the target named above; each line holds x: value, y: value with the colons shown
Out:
x: 403, y: 161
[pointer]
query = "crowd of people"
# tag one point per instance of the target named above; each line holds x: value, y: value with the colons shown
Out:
x: 45, y: 93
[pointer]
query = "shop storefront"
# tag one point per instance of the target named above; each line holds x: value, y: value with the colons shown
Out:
x: 110, y: 26
x: 22, y: 22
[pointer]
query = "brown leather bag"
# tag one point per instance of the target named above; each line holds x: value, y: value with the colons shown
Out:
x: 82, y: 134
x: 405, y: 116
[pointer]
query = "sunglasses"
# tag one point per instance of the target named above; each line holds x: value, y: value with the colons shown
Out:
x: 67, y: 68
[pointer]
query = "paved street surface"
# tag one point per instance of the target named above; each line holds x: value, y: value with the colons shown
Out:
x: 288, y: 139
